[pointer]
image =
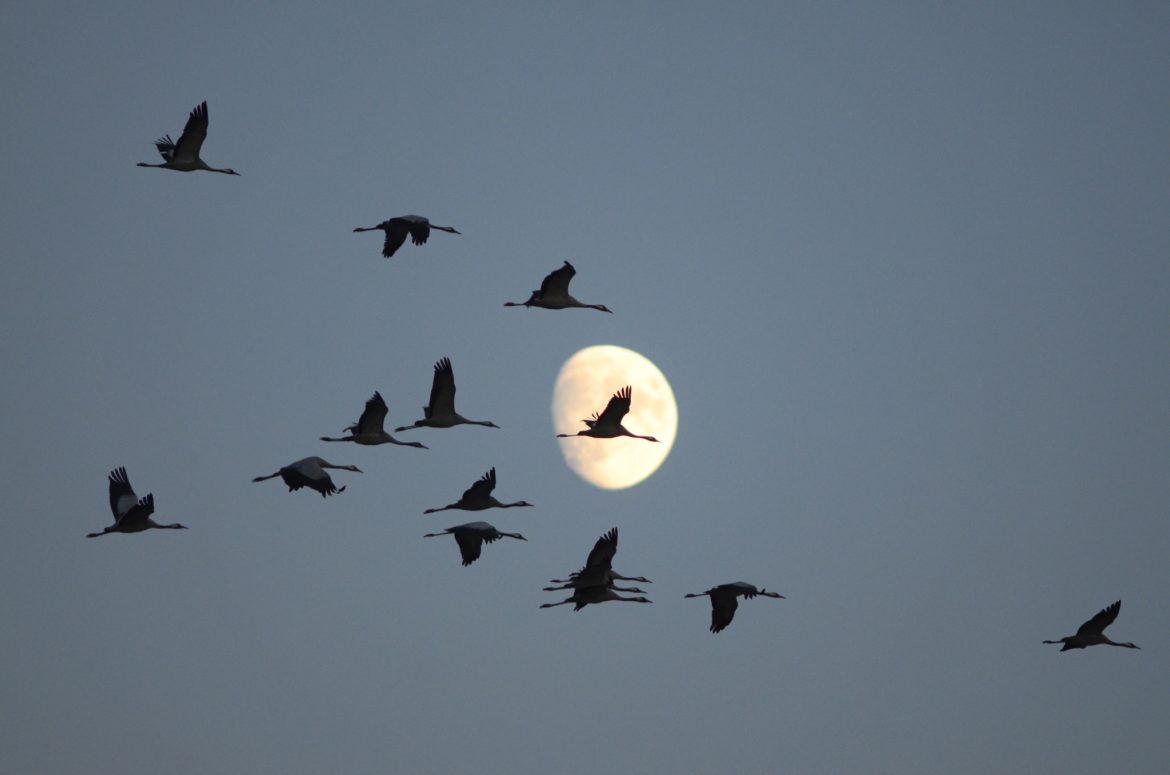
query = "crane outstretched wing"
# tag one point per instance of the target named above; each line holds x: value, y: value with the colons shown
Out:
x: 442, y: 389
x: 617, y: 408
x: 187, y: 149
x: 122, y: 497
x: 373, y: 416
x: 481, y: 489
x: 1103, y: 619
x: 556, y: 283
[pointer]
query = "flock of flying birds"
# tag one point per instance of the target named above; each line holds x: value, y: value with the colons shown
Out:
x: 595, y: 581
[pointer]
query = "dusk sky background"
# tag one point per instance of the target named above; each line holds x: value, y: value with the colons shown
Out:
x: 906, y: 267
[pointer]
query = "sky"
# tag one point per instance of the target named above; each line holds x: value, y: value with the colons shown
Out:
x: 904, y: 265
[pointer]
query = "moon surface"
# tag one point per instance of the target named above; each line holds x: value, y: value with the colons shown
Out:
x: 584, y: 385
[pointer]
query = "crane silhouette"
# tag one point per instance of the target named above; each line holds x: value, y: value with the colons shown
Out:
x: 598, y: 567
x: 472, y: 536
x: 596, y: 577
x: 440, y: 412
x: 478, y: 497
x: 608, y: 424
x: 184, y: 155
x: 723, y: 601
x: 131, y: 515
x: 595, y: 595
x: 418, y: 227
x: 593, y: 583
x: 368, y: 429
x: 1092, y: 632
x: 309, y: 472
x: 554, y: 293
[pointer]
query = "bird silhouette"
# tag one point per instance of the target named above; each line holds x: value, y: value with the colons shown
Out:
x: 183, y: 156
x: 595, y: 595
x: 723, y: 601
x: 608, y: 424
x: 478, y: 497
x: 131, y: 515
x: 472, y: 536
x: 440, y: 412
x: 368, y: 429
x: 594, y: 582
x: 1092, y: 632
x: 309, y: 472
x: 554, y: 293
x: 418, y: 227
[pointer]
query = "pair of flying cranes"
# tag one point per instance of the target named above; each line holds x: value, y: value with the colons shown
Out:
x: 594, y: 583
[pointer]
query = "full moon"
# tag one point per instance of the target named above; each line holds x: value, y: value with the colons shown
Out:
x: 585, y: 384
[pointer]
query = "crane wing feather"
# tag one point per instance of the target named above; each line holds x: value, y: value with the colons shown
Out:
x: 617, y: 408
x: 482, y: 488
x: 470, y: 545
x: 122, y: 497
x: 443, y: 388
x: 723, y: 605
x: 137, y: 517
x: 187, y: 149
x: 557, y: 281
x: 374, y: 415
x: 395, y: 236
x: 604, y: 550
x: 1103, y: 619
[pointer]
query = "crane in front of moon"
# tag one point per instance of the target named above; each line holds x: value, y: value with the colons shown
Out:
x: 440, y: 412
x: 418, y: 227
x: 608, y: 424
x: 723, y: 601
x: 478, y: 497
x: 554, y: 293
x: 368, y: 429
x: 472, y: 536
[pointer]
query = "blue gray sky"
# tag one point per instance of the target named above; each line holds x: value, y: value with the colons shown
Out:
x: 905, y: 266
